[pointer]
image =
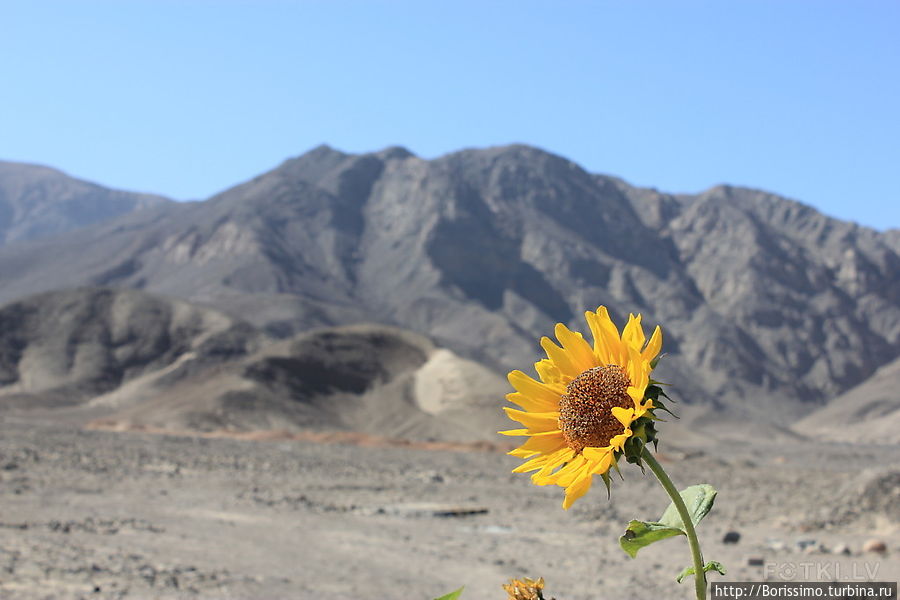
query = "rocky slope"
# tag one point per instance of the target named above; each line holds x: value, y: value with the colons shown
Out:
x: 869, y: 412
x: 66, y: 348
x: 769, y: 307
x: 37, y: 202
x: 366, y: 379
x: 125, y: 359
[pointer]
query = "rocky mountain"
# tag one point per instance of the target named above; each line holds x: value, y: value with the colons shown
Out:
x: 769, y: 308
x: 128, y: 359
x: 37, y: 202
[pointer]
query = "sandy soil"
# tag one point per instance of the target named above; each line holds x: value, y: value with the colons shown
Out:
x: 97, y: 514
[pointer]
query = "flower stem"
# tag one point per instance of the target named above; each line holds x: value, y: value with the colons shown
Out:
x: 699, y: 574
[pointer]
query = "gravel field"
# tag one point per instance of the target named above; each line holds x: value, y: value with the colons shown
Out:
x: 93, y: 514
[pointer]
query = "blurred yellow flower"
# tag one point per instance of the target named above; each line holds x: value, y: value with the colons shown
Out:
x: 525, y: 589
x: 579, y: 416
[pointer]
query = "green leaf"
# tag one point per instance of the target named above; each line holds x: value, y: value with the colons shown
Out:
x: 712, y: 565
x: 642, y: 533
x: 452, y: 595
x: 698, y: 499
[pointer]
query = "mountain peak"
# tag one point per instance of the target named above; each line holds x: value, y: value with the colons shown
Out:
x: 514, y: 150
x: 20, y: 169
x: 37, y: 201
x: 322, y: 151
x: 394, y: 153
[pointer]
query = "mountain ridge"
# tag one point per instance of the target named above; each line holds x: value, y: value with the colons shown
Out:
x: 769, y: 307
x: 37, y: 201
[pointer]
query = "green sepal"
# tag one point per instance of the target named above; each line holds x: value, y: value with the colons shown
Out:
x: 649, y: 432
x: 658, y: 391
x: 643, y: 533
x: 643, y: 431
x: 660, y: 405
x: 606, y: 481
x: 634, y: 446
x: 712, y: 565
x: 452, y: 595
x: 654, y: 393
x: 615, y: 464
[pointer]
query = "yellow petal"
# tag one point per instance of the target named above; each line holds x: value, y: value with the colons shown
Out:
x: 595, y: 454
x: 601, y: 465
x: 633, y: 334
x: 532, y: 404
x: 637, y: 368
x: 581, y: 355
x: 600, y: 349
x: 547, y: 371
x: 607, y: 343
x: 653, y: 346
x: 577, y: 489
x: 534, y: 464
x: 636, y: 393
x: 606, y: 321
x: 519, y: 453
x: 535, y: 389
x: 514, y: 432
x: 535, y: 422
x: 618, y: 441
x: 543, y: 443
x: 546, y: 476
x: 545, y: 462
x: 560, y: 358
x: 624, y: 415
x: 567, y: 474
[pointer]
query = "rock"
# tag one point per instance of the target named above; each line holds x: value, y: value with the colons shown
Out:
x: 842, y: 549
x: 432, y: 509
x: 802, y: 545
x: 754, y: 561
x: 731, y: 537
x: 430, y: 477
x: 875, y: 545
x: 815, y: 549
x: 774, y: 544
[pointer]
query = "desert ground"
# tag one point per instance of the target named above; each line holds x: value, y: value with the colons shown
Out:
x: 99, y: 514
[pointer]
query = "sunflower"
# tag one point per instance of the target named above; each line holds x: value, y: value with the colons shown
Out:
x: 525, y: 589
x: 589, y: 404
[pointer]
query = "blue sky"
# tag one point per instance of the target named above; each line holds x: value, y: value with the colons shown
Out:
x: 188, y: 97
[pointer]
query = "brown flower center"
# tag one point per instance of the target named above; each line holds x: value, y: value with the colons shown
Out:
x: 585, y: 410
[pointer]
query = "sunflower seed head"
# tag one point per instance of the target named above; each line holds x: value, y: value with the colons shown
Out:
x: 585, y: 410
